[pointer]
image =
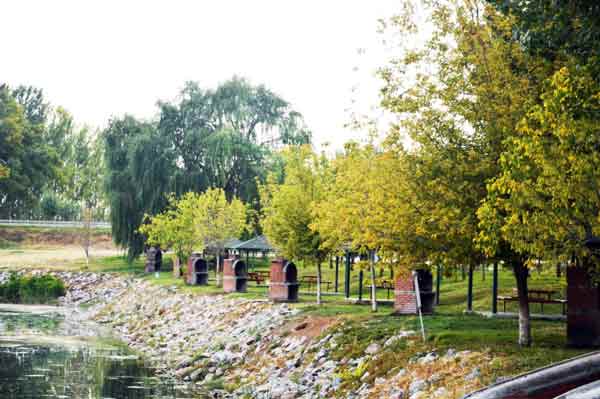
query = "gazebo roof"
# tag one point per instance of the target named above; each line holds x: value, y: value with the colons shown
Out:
x: 232, y: 243
x: 258, y: 243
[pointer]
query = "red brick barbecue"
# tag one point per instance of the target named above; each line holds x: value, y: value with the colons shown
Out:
x: 197, y: 270
x: 235, y: 275
x: 405, y: 300
x: 284, y: 284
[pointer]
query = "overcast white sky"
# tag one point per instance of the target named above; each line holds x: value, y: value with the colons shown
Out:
x: 105, y: 58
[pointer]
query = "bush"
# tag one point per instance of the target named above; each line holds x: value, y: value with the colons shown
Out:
x: 43, y: 289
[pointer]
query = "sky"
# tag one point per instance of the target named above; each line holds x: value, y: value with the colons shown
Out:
x: 100, y: 59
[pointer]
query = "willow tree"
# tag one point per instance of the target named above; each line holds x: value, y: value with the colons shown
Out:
x: 138, y: 166
x: 287, y: 208
x: 221, y: 138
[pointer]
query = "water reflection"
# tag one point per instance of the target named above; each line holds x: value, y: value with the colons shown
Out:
x: 38, y: 360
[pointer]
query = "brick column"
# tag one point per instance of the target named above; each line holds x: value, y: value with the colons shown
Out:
x: 405, y: 301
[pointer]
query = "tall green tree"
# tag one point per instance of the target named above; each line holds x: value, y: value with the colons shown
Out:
x: 460, y: 95
x: 29, y: 157
x: 551, y: 29
x: 138, y: 167
x: 222, y: 138
x: 287, y: 208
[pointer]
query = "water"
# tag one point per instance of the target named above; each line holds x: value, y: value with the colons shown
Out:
x: 48, y: 355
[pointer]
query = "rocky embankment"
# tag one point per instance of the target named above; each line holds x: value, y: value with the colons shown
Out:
x: 246, y: 348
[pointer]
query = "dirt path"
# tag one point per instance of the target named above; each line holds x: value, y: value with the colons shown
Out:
x: 49, y: 257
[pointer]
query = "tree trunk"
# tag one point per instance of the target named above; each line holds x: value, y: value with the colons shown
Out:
x: 470, y: 290
x: 373, y: 290
x: 520, y: 271
x: 218, y: 269
x: 318, y: 283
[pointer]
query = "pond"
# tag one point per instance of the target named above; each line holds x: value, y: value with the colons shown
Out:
x: 45, y: 352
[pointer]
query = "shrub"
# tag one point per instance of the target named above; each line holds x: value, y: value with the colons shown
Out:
x: 20, y: 289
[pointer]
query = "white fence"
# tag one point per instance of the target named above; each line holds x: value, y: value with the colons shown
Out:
x: 51, y: 223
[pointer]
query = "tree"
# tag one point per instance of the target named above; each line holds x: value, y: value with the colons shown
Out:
x: 11, y: 129
x: 24, y: 152
x: 460, y: 96
x: 138, y: 165
x: 550, y: 28
x: 175, y: 227
x: 217, y: 220
x: 287, y: 208
x: 196, y: 222
x: 546, y: 201
x: 363, y: 209
x: 222, y: 138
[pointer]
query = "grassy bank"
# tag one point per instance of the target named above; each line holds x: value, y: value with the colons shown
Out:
x: 448, y: 328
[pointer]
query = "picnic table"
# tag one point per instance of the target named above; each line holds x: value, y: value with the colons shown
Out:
x: 312, y: 280
x: 259, y: 276
x: 385, y: 285
x: 540, y: 296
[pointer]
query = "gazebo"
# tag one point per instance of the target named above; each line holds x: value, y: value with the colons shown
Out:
x: 258, y: 244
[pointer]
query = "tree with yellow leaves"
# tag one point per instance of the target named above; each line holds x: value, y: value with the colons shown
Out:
x: 175, y: 227
x: 460, y: 90
x: 217, y: 220
x: 287, y: 208
x: 195, y: 222
x: 366, y: 208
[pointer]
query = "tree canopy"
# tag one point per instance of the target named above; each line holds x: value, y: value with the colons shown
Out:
x: 287, y: 208
x: 222, y: 138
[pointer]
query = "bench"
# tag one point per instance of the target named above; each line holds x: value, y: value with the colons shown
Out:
x: 312, y: 280
x: 535, y: 296
x: 259, y: 277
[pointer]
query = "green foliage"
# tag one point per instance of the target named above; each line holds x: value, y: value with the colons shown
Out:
x: 552, y: 29
x: 138, y: 166
x: 24, y: 151
x: 220, y: 138
x: 545, y: 202
x: 196, y: 221
x: 48, y: 168
x: 288, y: 206
x: 38, y: 290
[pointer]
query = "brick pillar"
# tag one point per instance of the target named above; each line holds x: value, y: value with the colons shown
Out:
x: 277, y: 289
x: 235, y: 275
x: 283, y: 282
x: 405, y: 301
x: 583, y: 309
